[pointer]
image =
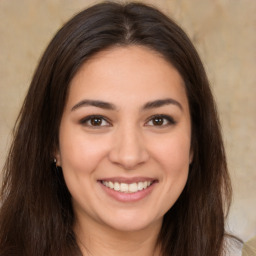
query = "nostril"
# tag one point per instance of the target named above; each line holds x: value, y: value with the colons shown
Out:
x: 128, y: 148
x: 128, y: 155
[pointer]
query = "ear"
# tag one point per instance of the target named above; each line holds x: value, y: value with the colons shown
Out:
x: 57, y: 156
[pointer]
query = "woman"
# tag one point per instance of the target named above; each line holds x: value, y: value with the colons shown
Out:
x: 117, y: 148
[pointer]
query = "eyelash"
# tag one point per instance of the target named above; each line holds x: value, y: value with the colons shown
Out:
x: 165, y: 120
x: 85, y: 121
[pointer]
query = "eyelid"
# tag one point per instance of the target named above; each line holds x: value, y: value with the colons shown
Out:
x: 169, y: 119
x: 84, y: 121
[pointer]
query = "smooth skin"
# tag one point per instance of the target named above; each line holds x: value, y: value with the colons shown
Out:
x: 126, y: 118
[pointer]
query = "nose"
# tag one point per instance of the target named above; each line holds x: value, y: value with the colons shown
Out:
x: 128, y: 149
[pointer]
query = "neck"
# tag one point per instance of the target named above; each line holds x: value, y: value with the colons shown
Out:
x: 98, y: 239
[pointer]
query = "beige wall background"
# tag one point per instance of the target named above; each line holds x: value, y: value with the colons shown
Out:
x: 224, y: 32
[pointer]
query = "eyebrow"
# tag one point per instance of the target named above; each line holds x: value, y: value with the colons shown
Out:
x: 94, y: 103
x: 161, y: 103
x: 110, y: 106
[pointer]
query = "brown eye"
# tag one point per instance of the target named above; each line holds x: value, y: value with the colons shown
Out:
x: 157, y: 121
x: 96, y: 121
x: 160, y: 120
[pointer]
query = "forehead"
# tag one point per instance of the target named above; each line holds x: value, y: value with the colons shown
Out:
x: 128, y: 73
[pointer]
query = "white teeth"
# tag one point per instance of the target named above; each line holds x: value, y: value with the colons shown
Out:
x: 116, y: 186
x: 111, y: 185
x: 127, y: 188
x: 124, y: 187
x: 133, y: 187
x: 140, y: 186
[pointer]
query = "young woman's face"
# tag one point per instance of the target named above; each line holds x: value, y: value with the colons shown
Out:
x: 124, y: 139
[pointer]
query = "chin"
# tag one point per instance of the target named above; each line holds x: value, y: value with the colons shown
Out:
x: 133, y: 224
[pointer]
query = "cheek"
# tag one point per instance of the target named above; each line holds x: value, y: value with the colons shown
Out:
x: 173, y: 153
x: 80, y: 152
x: 173, y: 156
x: 80, y: 156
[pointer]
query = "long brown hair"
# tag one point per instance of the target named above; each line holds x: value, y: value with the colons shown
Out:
x: 36, y: 216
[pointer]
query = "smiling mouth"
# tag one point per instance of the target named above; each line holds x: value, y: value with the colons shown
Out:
x: 127, y: 188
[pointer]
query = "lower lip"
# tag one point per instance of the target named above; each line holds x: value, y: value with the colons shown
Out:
x: 128, y: 197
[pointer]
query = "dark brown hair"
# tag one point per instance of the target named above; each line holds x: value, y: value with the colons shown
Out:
x: 36, y: 216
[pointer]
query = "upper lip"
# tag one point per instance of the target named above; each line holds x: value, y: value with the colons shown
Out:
x: 128, y: 180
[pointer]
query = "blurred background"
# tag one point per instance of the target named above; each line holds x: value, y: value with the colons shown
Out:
x: 224, y: 33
